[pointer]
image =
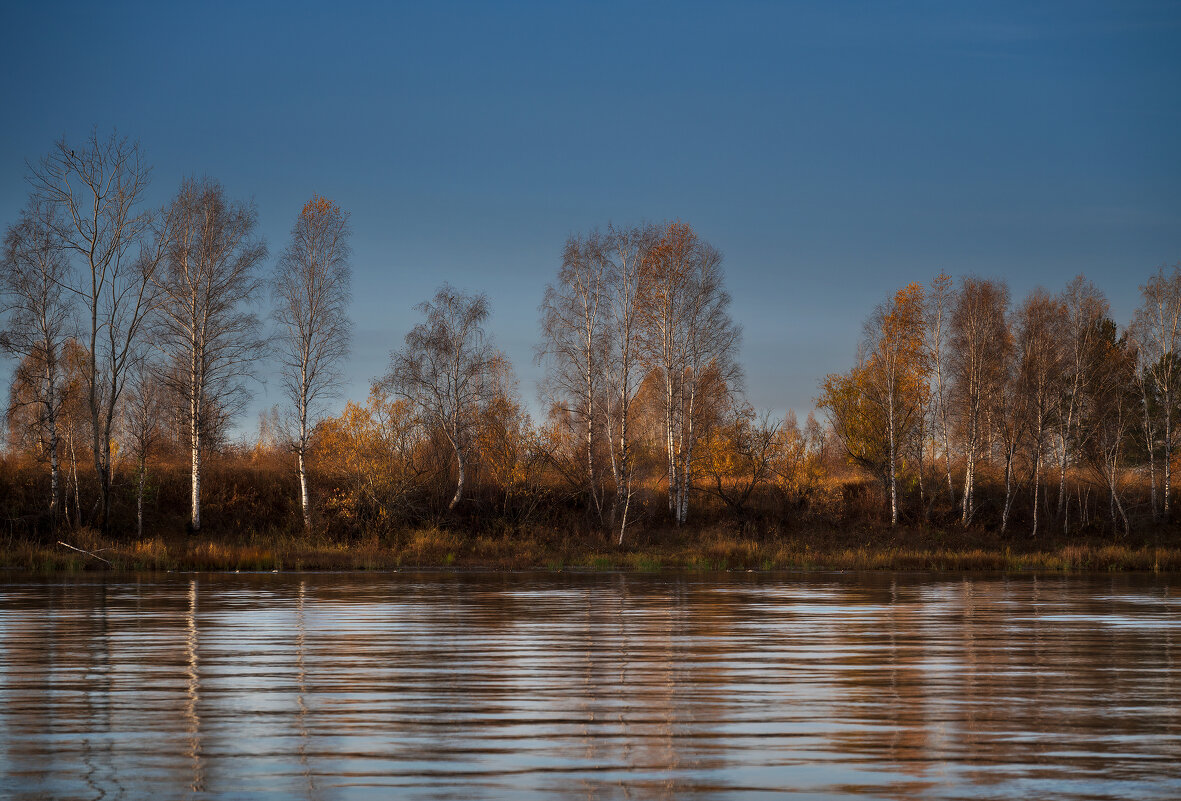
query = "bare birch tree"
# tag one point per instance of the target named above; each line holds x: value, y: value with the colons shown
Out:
x: 628, y: 250
x: 940, y: 298
x: 895, y: 357
x: 574, y: 338
x: 1158, y: 326
x: 1108, y: 412
x: 448, y: 370
x: 712, y: 370
x: 976, y: 326
x: 1040, y: 334
x: 312, y: 290
x: 96, y: 191
x: 1149, y: 415
x: 141, y: 414
x: 1006, y: 406
x: 206, y: 285
x: 1086, y: 308
x: 38, y: 321
x: 690, y: 341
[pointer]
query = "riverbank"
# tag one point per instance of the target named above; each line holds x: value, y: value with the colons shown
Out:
x: 706, y: 549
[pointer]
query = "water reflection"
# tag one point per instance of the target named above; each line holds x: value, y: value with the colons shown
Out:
x: 193, y: 687
x: 589, y: 686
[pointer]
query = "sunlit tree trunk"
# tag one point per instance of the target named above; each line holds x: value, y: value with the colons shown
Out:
x: 1037, y: 482
x: 1149, y: 440
x: 687, y: 466
x: 893, y: 457
x: 51, y: 407
x: 77, y: 490
x: 969, y: 474
x: 460, y: 478
x: 941, y: 294
x: 1167, y: 487
x: 141, y: 471
x: 194, y: 450
x: 305, y: 506
x: 1085, y: 309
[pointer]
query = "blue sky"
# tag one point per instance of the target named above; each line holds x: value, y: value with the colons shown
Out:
x: 832, y: 151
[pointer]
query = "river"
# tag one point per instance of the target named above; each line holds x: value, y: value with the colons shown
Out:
x: 465, y: 685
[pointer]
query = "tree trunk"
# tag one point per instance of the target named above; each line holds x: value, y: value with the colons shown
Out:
x: 1111, y: 469
x: 969, y: 471
x: 922, y: 463
x: 1037, y: 480
x: 54, y: 469
x: 458, y: 496
x: 51, y: 425
x: 195, y: 464
x: 670, y: 447
x: 946, y: 432
x: 1148, y: 445
x: 893, y: 464
x: 102, y: 471
x: 1063, y: 501
x: 624, y: 484
x: 303, y: 490
x: 596, y: 505
x: 77, y: 491
x: 686, y: 467
x: 1168, y: 483
x: 627, y: 500
x: 1008, y: 489
x: 139, y: 497
x: 1064, y: 436
x: 93, y: 401
x: 613, y: 461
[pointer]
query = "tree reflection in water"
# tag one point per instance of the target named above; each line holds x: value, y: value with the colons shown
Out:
x: 472, y: 685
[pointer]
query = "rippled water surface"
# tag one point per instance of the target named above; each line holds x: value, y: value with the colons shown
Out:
x: 452, y: 685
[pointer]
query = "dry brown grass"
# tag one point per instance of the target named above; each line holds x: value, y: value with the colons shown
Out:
x: 714, y: 548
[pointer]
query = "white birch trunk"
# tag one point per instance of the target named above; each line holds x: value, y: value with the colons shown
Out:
x: 303, y: 491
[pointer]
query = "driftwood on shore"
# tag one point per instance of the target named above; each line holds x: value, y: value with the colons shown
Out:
x: 88, y: 553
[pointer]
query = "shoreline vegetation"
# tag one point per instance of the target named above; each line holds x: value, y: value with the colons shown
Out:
x: 716, y: 548
x: 973, y: 430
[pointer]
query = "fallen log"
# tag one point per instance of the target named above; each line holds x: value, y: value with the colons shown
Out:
x: 79, y: 550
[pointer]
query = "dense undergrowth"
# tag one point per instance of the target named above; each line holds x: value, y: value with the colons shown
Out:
x: 714, y: 548
x: 252, y: 522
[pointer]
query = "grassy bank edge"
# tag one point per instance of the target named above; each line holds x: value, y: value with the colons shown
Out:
x: 708, y: 550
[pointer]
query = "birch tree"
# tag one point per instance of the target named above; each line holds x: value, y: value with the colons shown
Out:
x: 893, y: 344
x: 1149, y: 417
x: 1040, y: 333
x: 38, y: 321
x: 141, y: 414
x: 207, y: 282
x: 573, y: 326
x: 312, y: 290
x: 940, y: 298
x: 628, y: 251
x: 1158, y: 326
x: 1086, y: 308
x: 1007, y: 408
x: 976, y: 327
x: 448, y: 371
x: 712, y: 371
x: 96, y: 189
x: 690, y: 342
x: 1108, y: 412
